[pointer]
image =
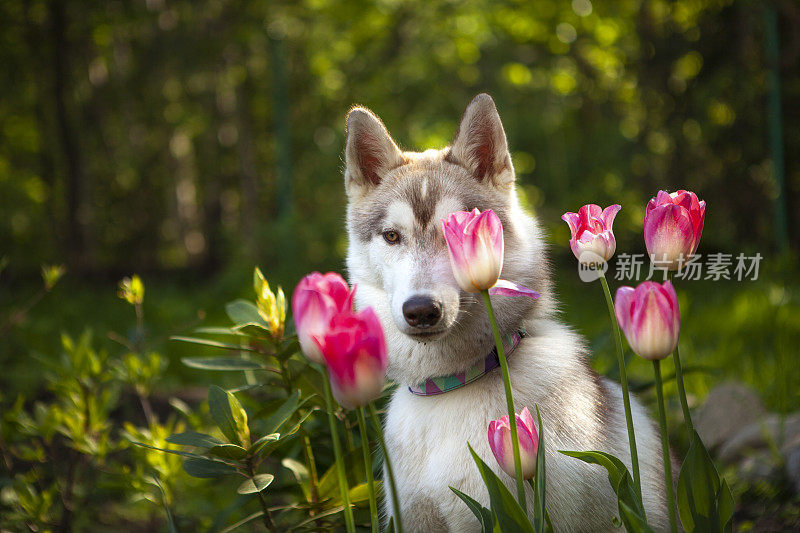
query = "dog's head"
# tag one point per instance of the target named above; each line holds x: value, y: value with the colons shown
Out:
x: 397, y: 253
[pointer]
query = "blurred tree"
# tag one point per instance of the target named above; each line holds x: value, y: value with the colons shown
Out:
x: 168, y: 135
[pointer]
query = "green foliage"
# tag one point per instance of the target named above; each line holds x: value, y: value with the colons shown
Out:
x: 705, y: 502
x: 508, y: 513
x: 262, y: 419
x: 132, y: 290
x: 541, y: 519
x: 631, y: 509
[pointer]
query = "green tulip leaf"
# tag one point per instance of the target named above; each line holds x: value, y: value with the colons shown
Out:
x: 539, y: 509
x: 483, y: 514
x: 510, y: 516
x: 726, y: 506
x: 699, y: 490
x: 632, y: 520
x: 620, y: 480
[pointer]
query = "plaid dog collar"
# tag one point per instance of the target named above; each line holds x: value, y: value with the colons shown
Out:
x: 442, y: 384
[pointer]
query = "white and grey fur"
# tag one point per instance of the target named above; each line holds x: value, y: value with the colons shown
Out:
x: 409, y: 193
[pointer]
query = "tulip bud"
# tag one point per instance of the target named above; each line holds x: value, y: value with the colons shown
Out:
x: 650, y: 318
x: 673, y: 224
x: 316, y: 299
x: 354, y: 349
x: 503, y: 450
x: 475, y: 244
x: 271, y: 306
x: 592, y: 231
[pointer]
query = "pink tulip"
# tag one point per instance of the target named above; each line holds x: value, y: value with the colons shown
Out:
x: 650, y: 318
x: 475, y: 244
x: 592, y: 231
x: 316, y: 299
x: 354, y: 349
x: 500, y: 442
x: 673, y: 224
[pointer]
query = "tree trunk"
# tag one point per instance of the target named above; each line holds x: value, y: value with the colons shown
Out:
x: 74, y: 241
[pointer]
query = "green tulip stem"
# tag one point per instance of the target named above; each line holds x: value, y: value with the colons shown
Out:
x: 337, y: 450
x: 681, y: 391
x: 679, y: 380
x: 512, y: 417
x: 398, y: 522
x: 623, y: 378
x: 373, y: 504
x: 662, y: 420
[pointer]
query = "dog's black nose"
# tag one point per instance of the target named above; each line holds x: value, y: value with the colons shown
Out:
x: 422, y: 311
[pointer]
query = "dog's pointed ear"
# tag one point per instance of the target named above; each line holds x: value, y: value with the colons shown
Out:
x: 370, y: 151
x: 480, y: 144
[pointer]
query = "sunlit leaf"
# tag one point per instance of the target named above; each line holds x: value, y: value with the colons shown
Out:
x: 206, y: 468
x: 216, y: 344
x: 192, y: 438
x: 255, y: 484
x: 221, y: 363
x: 228, y: 414
x: 228, y: 451
x: 244, y: 312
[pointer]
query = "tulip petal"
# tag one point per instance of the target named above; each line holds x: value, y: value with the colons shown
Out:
x: 668, y: 234
x: 475, y: 247
x: 608, y: 215
x: 572, y: 220
x: 592, y: 230
x: 623, y: 302
x: 354, y: 349
x: 504, y: 287
x: 649, y: 317
x: 499, y: 435
x: 683, y: 199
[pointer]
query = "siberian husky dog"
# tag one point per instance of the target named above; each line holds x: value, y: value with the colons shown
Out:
x: 398, y: 258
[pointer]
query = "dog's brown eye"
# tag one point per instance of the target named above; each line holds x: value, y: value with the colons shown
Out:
x: 391, y: 236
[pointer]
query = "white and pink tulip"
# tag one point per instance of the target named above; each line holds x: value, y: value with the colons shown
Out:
x: 592, y: 231
x: 501, y: 444
x: 650, y: 318
x: 475, y: 245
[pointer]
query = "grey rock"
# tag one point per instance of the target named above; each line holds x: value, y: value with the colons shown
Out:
x: 727, y: 408
x: 762, y: 448
x: 773, y: 431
